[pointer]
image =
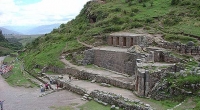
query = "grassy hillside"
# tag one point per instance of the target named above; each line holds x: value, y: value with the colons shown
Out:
x: 176, y: 20
x: 8, y: 45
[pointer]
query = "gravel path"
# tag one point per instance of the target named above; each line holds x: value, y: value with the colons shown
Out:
x: 19, y: 98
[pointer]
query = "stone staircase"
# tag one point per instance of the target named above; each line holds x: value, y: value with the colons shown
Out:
x: 98, y: 91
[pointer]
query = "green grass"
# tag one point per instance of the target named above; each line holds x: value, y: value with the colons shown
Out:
x: 5, y: 51
x: 166, y: 104
x: 9, y: 59
x: 181, y: 38
x: 19, y: 77
x: 61, y: 108
x: 92, y: 105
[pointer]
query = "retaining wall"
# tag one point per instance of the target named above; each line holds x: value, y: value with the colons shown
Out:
x: 82, y: 75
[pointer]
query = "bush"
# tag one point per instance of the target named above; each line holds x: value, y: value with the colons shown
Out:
x: 175, y: 2
x: 172, y: 20
x: 135, y: 10
x: 112, y: 29
x: 117, y: 20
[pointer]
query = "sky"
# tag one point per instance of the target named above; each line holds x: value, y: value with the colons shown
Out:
x: 38, y: 12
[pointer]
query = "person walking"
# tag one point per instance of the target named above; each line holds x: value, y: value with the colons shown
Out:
x: 1, y: 104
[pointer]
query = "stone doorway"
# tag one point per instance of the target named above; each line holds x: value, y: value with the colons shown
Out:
x: 131, y: 41
x: 117, y: 41
x: 161, y: 54
x: 111, y: 40
x: 124, y: 41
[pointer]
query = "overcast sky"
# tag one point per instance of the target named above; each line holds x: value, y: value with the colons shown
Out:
x: 38, y: 12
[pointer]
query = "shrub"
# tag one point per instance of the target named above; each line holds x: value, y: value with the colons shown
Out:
x: 135, y: 10
x: 117, y: 20
x: 175, y: 2
x: 172, y: 20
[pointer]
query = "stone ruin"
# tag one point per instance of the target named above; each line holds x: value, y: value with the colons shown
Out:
x: 127, y: 62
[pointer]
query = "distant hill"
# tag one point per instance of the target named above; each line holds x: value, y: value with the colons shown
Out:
x: 43, y: 29
x: 8, y: 31
x: 33, y: 30
x: 8, y: 45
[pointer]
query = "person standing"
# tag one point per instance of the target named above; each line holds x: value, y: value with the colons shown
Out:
x: 70, y: 77
x: 1, y: 104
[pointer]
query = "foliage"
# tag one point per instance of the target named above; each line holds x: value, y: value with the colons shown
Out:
x: 92, y: 105
x: 181, y: 38
x: 19, y: 77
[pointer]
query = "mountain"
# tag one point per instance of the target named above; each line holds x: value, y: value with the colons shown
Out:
x: 43, y: 29
x: 33, y: 30
x: 7, y: 31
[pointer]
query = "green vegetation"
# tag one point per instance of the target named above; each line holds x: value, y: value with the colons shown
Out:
x: 166, y: 104
x: 18, y: 77
x: 7, y: 46
x: 61, y: 108
x: 8, y: 59
x: 92, y: 105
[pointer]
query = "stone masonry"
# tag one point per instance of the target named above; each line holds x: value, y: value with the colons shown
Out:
x: 116, y: 61
x: 122, y: 62
x: 126, y: 39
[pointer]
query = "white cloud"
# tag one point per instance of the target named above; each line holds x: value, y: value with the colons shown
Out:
x: 40, y: 13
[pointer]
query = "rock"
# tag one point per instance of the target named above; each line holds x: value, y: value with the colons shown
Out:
x: 105, y: 104
x: 147, y: 105
x: 61, y: 77
x: 182, y: 72
x: 83, y: 99
x: 190, y: 43
x: 86, y: 95
x: 135, y: 49
x: 117, y: 108
x: 126, y: 100
x: 112, y: 107
x: 95, y: 99
x: 93, y: 81
x: 89, y: 98
x: 137, y: 101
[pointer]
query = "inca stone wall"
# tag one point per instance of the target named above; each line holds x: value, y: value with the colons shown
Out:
x: 146, y: 81
x: 117, y: 61
x: 114, y: 99
x: 164, y: 56
x: 189, y: 48
x: 90, y: 76
x: 71, y: 87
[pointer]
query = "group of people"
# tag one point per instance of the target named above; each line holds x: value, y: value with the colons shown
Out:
x: 45, y: 87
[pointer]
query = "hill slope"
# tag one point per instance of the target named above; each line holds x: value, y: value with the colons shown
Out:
x: 8, y: 45
x: 175, y: 21
x: 7, y: 31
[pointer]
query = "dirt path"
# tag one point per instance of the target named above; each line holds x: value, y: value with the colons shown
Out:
x: 19, y: 98
x: 90, y: 46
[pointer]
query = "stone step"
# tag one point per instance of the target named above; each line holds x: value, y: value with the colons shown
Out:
x: 90, y: 87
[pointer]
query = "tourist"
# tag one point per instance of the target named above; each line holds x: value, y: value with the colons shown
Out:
x: 51, y: 80
x: 46, y: 85
x: 1, y: 104
x: 42, y: 89
x: 57, y: 85
x: 70, y: 77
